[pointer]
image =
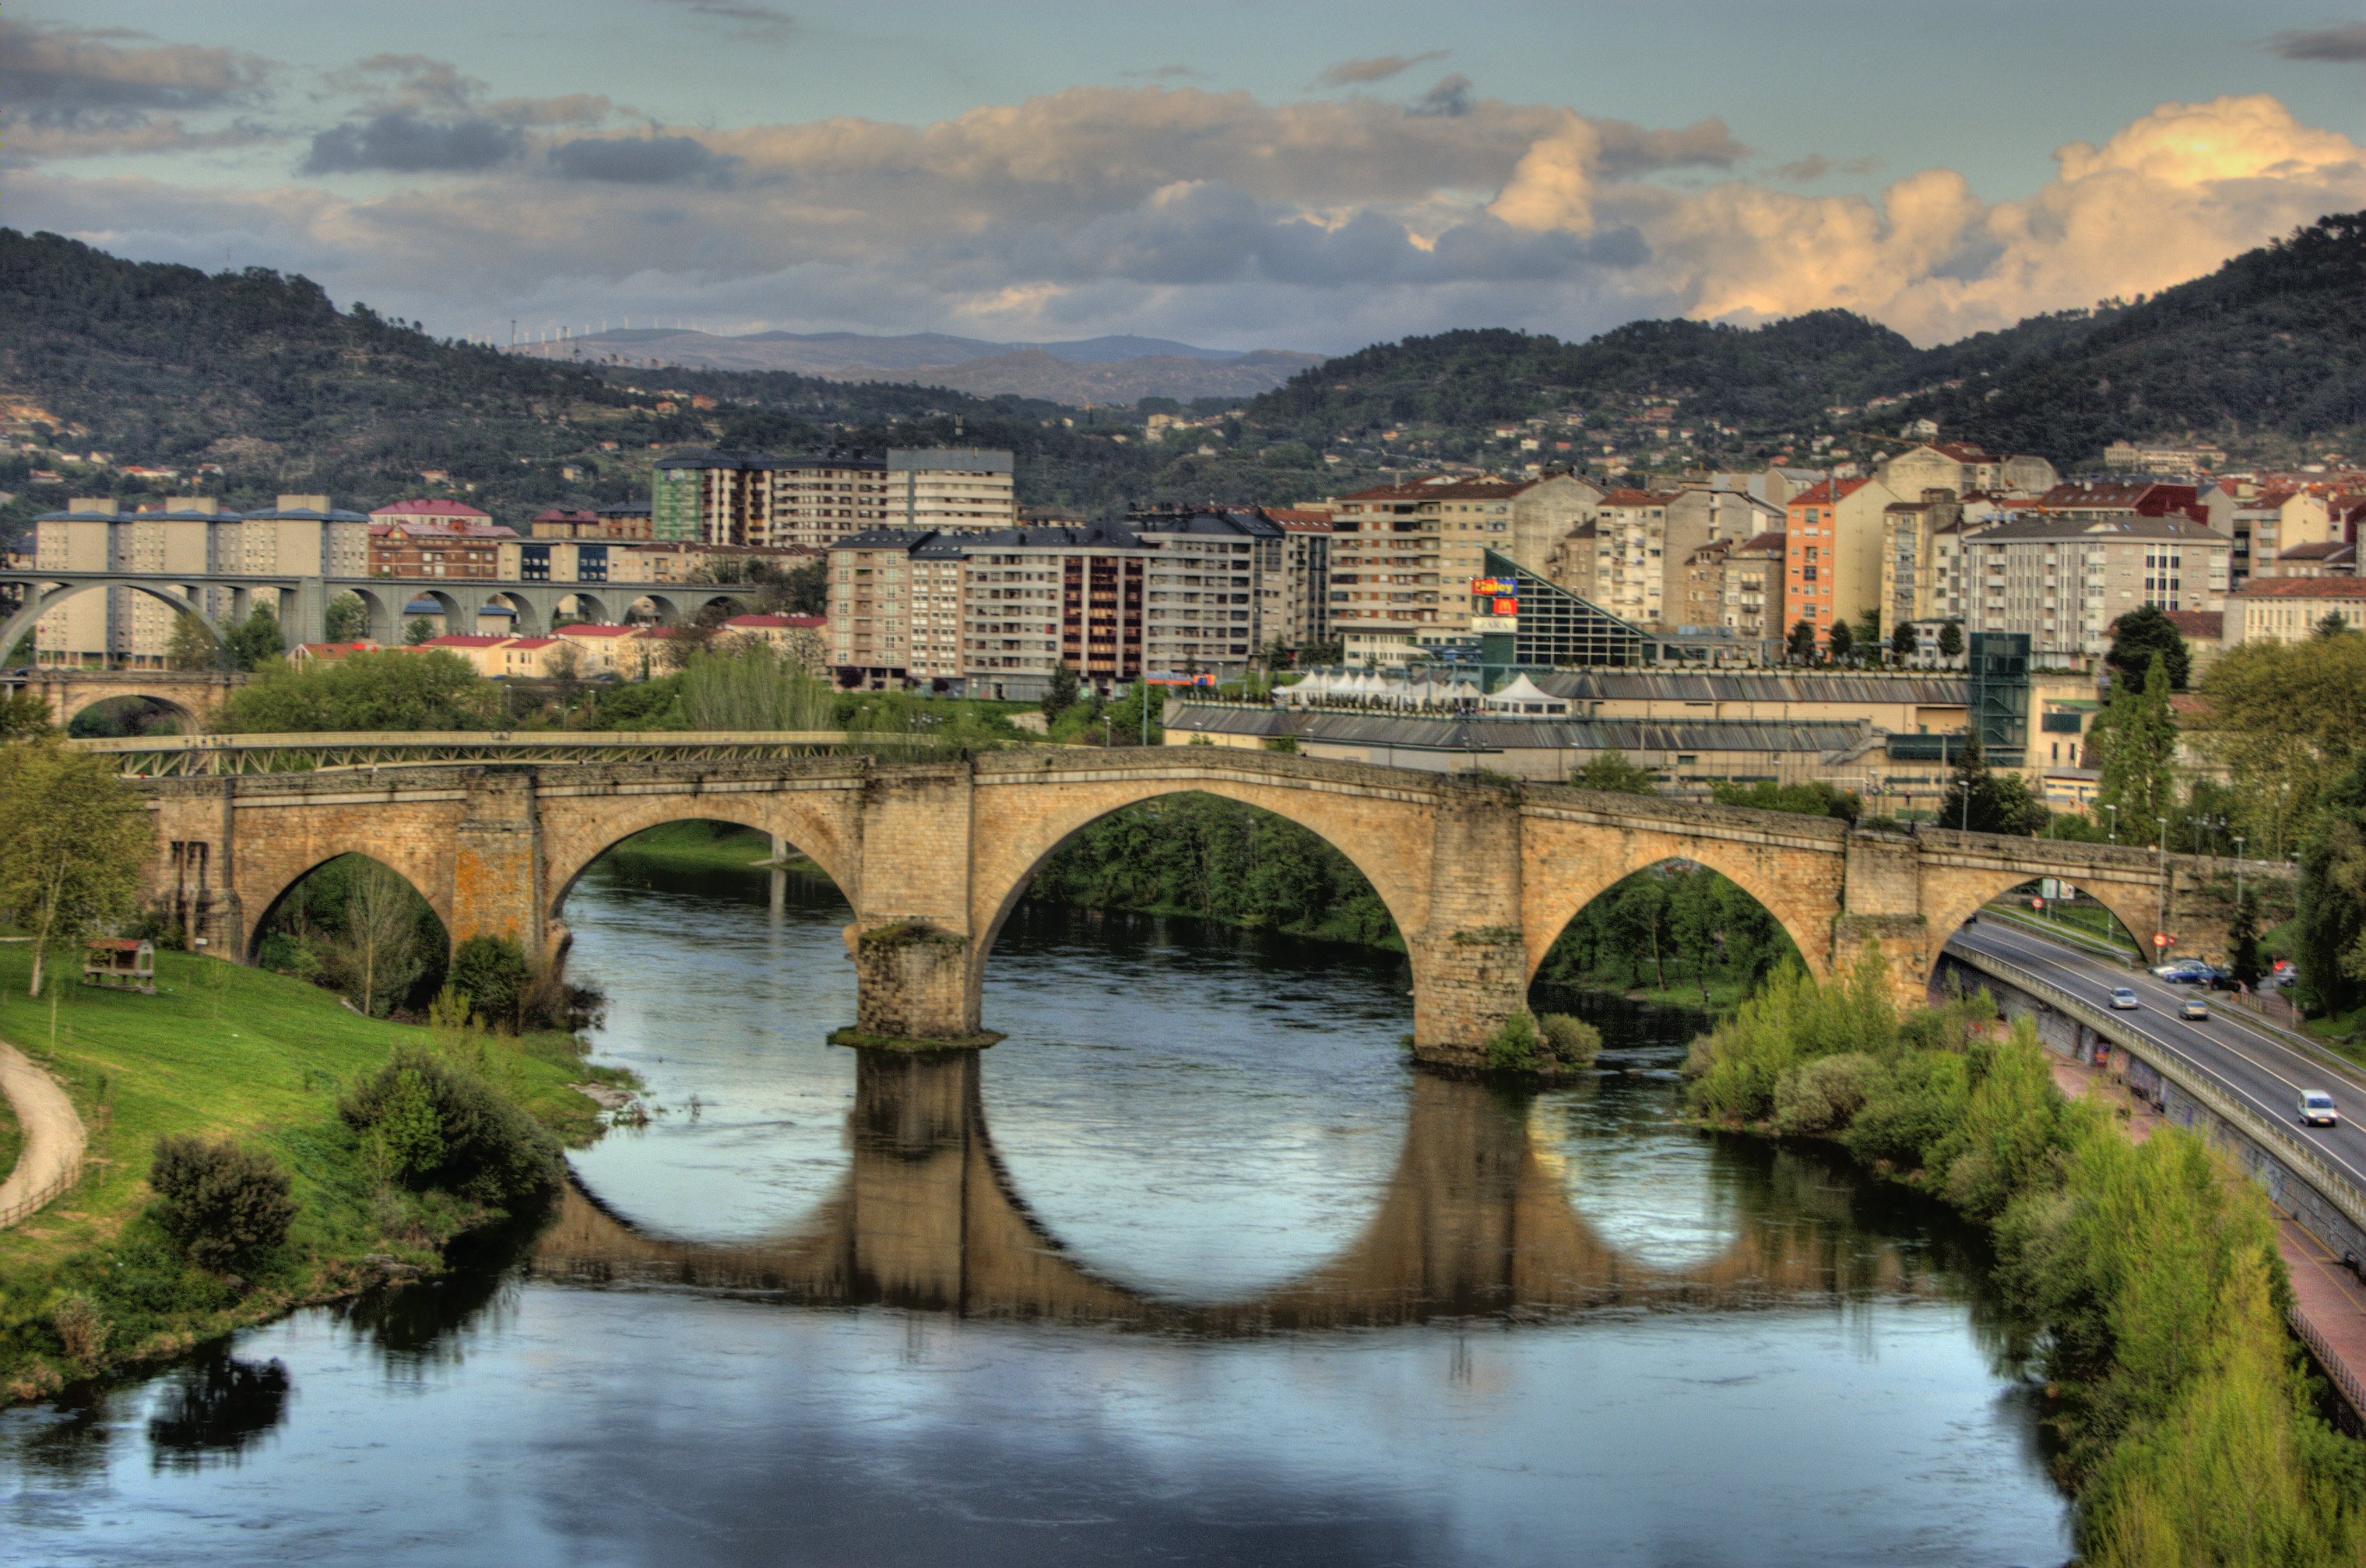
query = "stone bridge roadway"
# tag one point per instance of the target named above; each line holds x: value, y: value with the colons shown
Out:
x: 1475, y: 1220
x: 1481, y: 877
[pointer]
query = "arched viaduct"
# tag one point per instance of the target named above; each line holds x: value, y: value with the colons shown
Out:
x: 1475, y: 1219
x: 193, y: 696
x: 933, y: 856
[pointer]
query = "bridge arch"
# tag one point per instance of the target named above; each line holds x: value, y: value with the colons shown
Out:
x: 383, y: 611
x: 1569, y: 864
x: 522, y: 605
x: 427, y: 876
x: 72, y: 704
x: 578, y: 833
x: 2124, y: 881
x: 42, y: 601
x: 590, y: 609
x: 1013, y: 839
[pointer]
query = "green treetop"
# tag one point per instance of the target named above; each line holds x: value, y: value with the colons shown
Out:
x: 2138, y: 638
x: 2138, y: 737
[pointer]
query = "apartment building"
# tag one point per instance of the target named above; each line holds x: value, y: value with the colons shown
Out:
x: 897, y: 597
x: 1306, y: 574
x: 1914, y: 584
x: 956, y: 488
x: 2271, y: 523
x: 1962, y: 467
x: 2088, y: 499
x: 454, y: 516
x: 1833, y: 569
x: 299, y: 537
x: 2061, y: 581
x: 437, y: 546
x: 1036, y: 598
x: 1218, y: 585
x: 2290, y: 609
x: 1753, y: 587
x: 1698, y: 604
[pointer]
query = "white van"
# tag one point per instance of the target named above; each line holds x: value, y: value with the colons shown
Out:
x: 2316, y: 1110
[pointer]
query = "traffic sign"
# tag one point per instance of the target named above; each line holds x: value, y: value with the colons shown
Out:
x: 2038, y: 903
x: 2160, y: 939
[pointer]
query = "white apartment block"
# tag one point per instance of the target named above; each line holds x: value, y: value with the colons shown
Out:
x: 957, y: 488
x: 2063, y: 581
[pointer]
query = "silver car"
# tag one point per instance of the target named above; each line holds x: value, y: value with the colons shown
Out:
x: 2124, y: 999
x: 2316, y: 1110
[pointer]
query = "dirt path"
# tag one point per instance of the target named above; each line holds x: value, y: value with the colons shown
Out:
x: 53, y: 1134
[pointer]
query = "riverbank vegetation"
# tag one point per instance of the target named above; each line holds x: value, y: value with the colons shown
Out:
x: 118, y: 1271
x: 2149, y: 1274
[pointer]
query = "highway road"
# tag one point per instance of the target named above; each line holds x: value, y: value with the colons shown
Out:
x: 2253, y: 1064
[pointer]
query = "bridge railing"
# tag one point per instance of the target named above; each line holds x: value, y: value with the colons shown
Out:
x: 195, y: 756
x: 2189, y: 1075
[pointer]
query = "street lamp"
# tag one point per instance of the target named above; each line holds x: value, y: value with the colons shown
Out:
x: 2115, y: 822
x: 2163, y: 863
x: 2238, y: 871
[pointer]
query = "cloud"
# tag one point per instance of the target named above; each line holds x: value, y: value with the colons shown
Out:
x: 1378, y: 68
x: 746, y: 16
x: 1322, y: 224
x: 55, y: 75
x: 418, y: 83
x: 1168, y: 73
x: 643, y: 160
x: 2344, y: 43
x: 400, y: 142
x: 1451, y: 97
x: 1815, y: 166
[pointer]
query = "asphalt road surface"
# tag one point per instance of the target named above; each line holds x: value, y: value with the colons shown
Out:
x: 2253, y: 1064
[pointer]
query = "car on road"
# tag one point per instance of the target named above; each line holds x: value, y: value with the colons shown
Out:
x: 2316, y: 1110
x: 2124, y: 999
x: 2172, y: 970
x: 2195, y: 1008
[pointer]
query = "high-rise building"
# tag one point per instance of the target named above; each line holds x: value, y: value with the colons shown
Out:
x: 1833, y: 534
x: 959, y: 488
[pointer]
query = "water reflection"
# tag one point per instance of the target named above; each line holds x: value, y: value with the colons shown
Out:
x: 1476, y: 1219
x: 214, y: 1408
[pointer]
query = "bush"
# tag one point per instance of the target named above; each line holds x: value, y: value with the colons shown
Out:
x: 1573, y: 1042
x: 1516, y: 1047
x: 1910, y: 1109
x: 431, y: 1123
x: 492, y: 977
x: 220, y: 1203
x: 1825, y: 1095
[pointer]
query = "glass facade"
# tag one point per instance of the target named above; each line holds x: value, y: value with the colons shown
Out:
x: 1541, y: 624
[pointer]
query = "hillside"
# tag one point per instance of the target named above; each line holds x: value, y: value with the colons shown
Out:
x: 1079, y: 372
x: 2271, y: 349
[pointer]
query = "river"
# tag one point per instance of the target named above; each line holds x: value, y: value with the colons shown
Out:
x: 1192, y: 1268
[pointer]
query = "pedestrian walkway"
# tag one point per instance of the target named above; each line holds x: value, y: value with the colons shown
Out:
x: 50, y: 1160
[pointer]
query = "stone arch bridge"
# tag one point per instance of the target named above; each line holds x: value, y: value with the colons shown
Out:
x: 1481, y: 877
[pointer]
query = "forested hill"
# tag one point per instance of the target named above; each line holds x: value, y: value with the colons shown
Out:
x: 1760, y: 380
x: 2273, y: 343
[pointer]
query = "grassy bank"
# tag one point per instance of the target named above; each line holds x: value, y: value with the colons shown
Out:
x: 716, y: 846
x: 12, y: 1138
x: 2148, y: 1279
x: 260, y: 1058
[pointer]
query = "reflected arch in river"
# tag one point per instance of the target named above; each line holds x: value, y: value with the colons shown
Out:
x: 1474, y: 1222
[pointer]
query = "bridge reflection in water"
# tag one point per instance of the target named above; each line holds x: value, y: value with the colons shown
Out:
x: 1476, y: 1219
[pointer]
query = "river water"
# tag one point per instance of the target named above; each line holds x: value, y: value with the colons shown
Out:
x: 1192, y: 1269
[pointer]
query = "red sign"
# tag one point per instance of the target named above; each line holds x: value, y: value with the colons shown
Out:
x: 1508, y: 606
x: 2160, y: 939
x: 2038, y: 903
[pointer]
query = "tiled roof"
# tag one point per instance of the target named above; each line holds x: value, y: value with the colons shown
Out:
x: 428, y: 509
x: 1774, y: 543
x: 598, y: 631
x: 465, y: 639
x: 2207, y: 624
x: 2304, y: 588
x: 529, y: 641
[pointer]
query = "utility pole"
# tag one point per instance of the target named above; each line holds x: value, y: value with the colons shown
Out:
x: 2163, y: 861
x: 2238, y: 871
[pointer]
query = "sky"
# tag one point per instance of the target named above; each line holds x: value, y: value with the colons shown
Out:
x: 1238, y: 175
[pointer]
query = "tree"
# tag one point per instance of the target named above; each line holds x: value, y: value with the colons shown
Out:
x: 1951, y: 640
x: 2140, y: 637
x: 1611, y: 772
x: 1801, y: 644
x: 256, y: 640
x: 2138, y: 739
x: 2333, y: 897
x: 1868, y: 639
x: 1978, y: 801
x: 348, y: 618
x: 2243, y: 961
x: 2332, y: 625
x: 2285, y: 719
x: 74, y: 840
x: 1841, y: 643
x: 686, y: 640
x: 433, y: 691
x: 490, y: 975
x: 24, y: 716
x: 1693, y: 921
x: 192, y: 646
x: 1814, y: 799
x: 803, y: 590
x: 1062, y: 695
x: 417, y: 630
x: 1638, y: 925
x: 381, y: 933
x: 1903, y: 643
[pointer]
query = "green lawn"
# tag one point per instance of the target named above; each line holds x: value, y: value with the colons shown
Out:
x: 224, y: 1051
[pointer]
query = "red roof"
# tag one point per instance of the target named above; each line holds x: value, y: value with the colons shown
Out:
x: 1824, y: 494
x: 428, y: 509
x: 558, y: 515
x: 2140, y: 496
x: 466, y: 640
x: 1774, y: 543
x: 1963, y: 451
x: 2208, y: 624
x: 1641, y: 497
x: 2304, y: 588
x: 527, y: 641
x: 599, y: 631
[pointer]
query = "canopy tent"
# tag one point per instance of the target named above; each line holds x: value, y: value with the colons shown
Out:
x: 1523, y: 696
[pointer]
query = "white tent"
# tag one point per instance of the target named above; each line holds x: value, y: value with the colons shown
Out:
x: 1525, y: 697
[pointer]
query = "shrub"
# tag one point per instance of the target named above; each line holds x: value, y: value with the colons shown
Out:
x: 81, y: 1330
x: 1573, y: 1042
x: 220, y: 1203
x: 1910, y: 1109
x: 1825, y: 1095
x: 1515, y: 1046
x: 473, y: 1141
x: 491, y: 974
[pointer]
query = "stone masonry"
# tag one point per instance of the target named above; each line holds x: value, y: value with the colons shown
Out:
x: 1481, y: 877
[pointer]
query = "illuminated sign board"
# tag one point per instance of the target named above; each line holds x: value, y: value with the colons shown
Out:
x: 1494, y: 587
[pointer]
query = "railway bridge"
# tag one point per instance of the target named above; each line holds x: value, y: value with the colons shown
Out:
x: 1480, y: 876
